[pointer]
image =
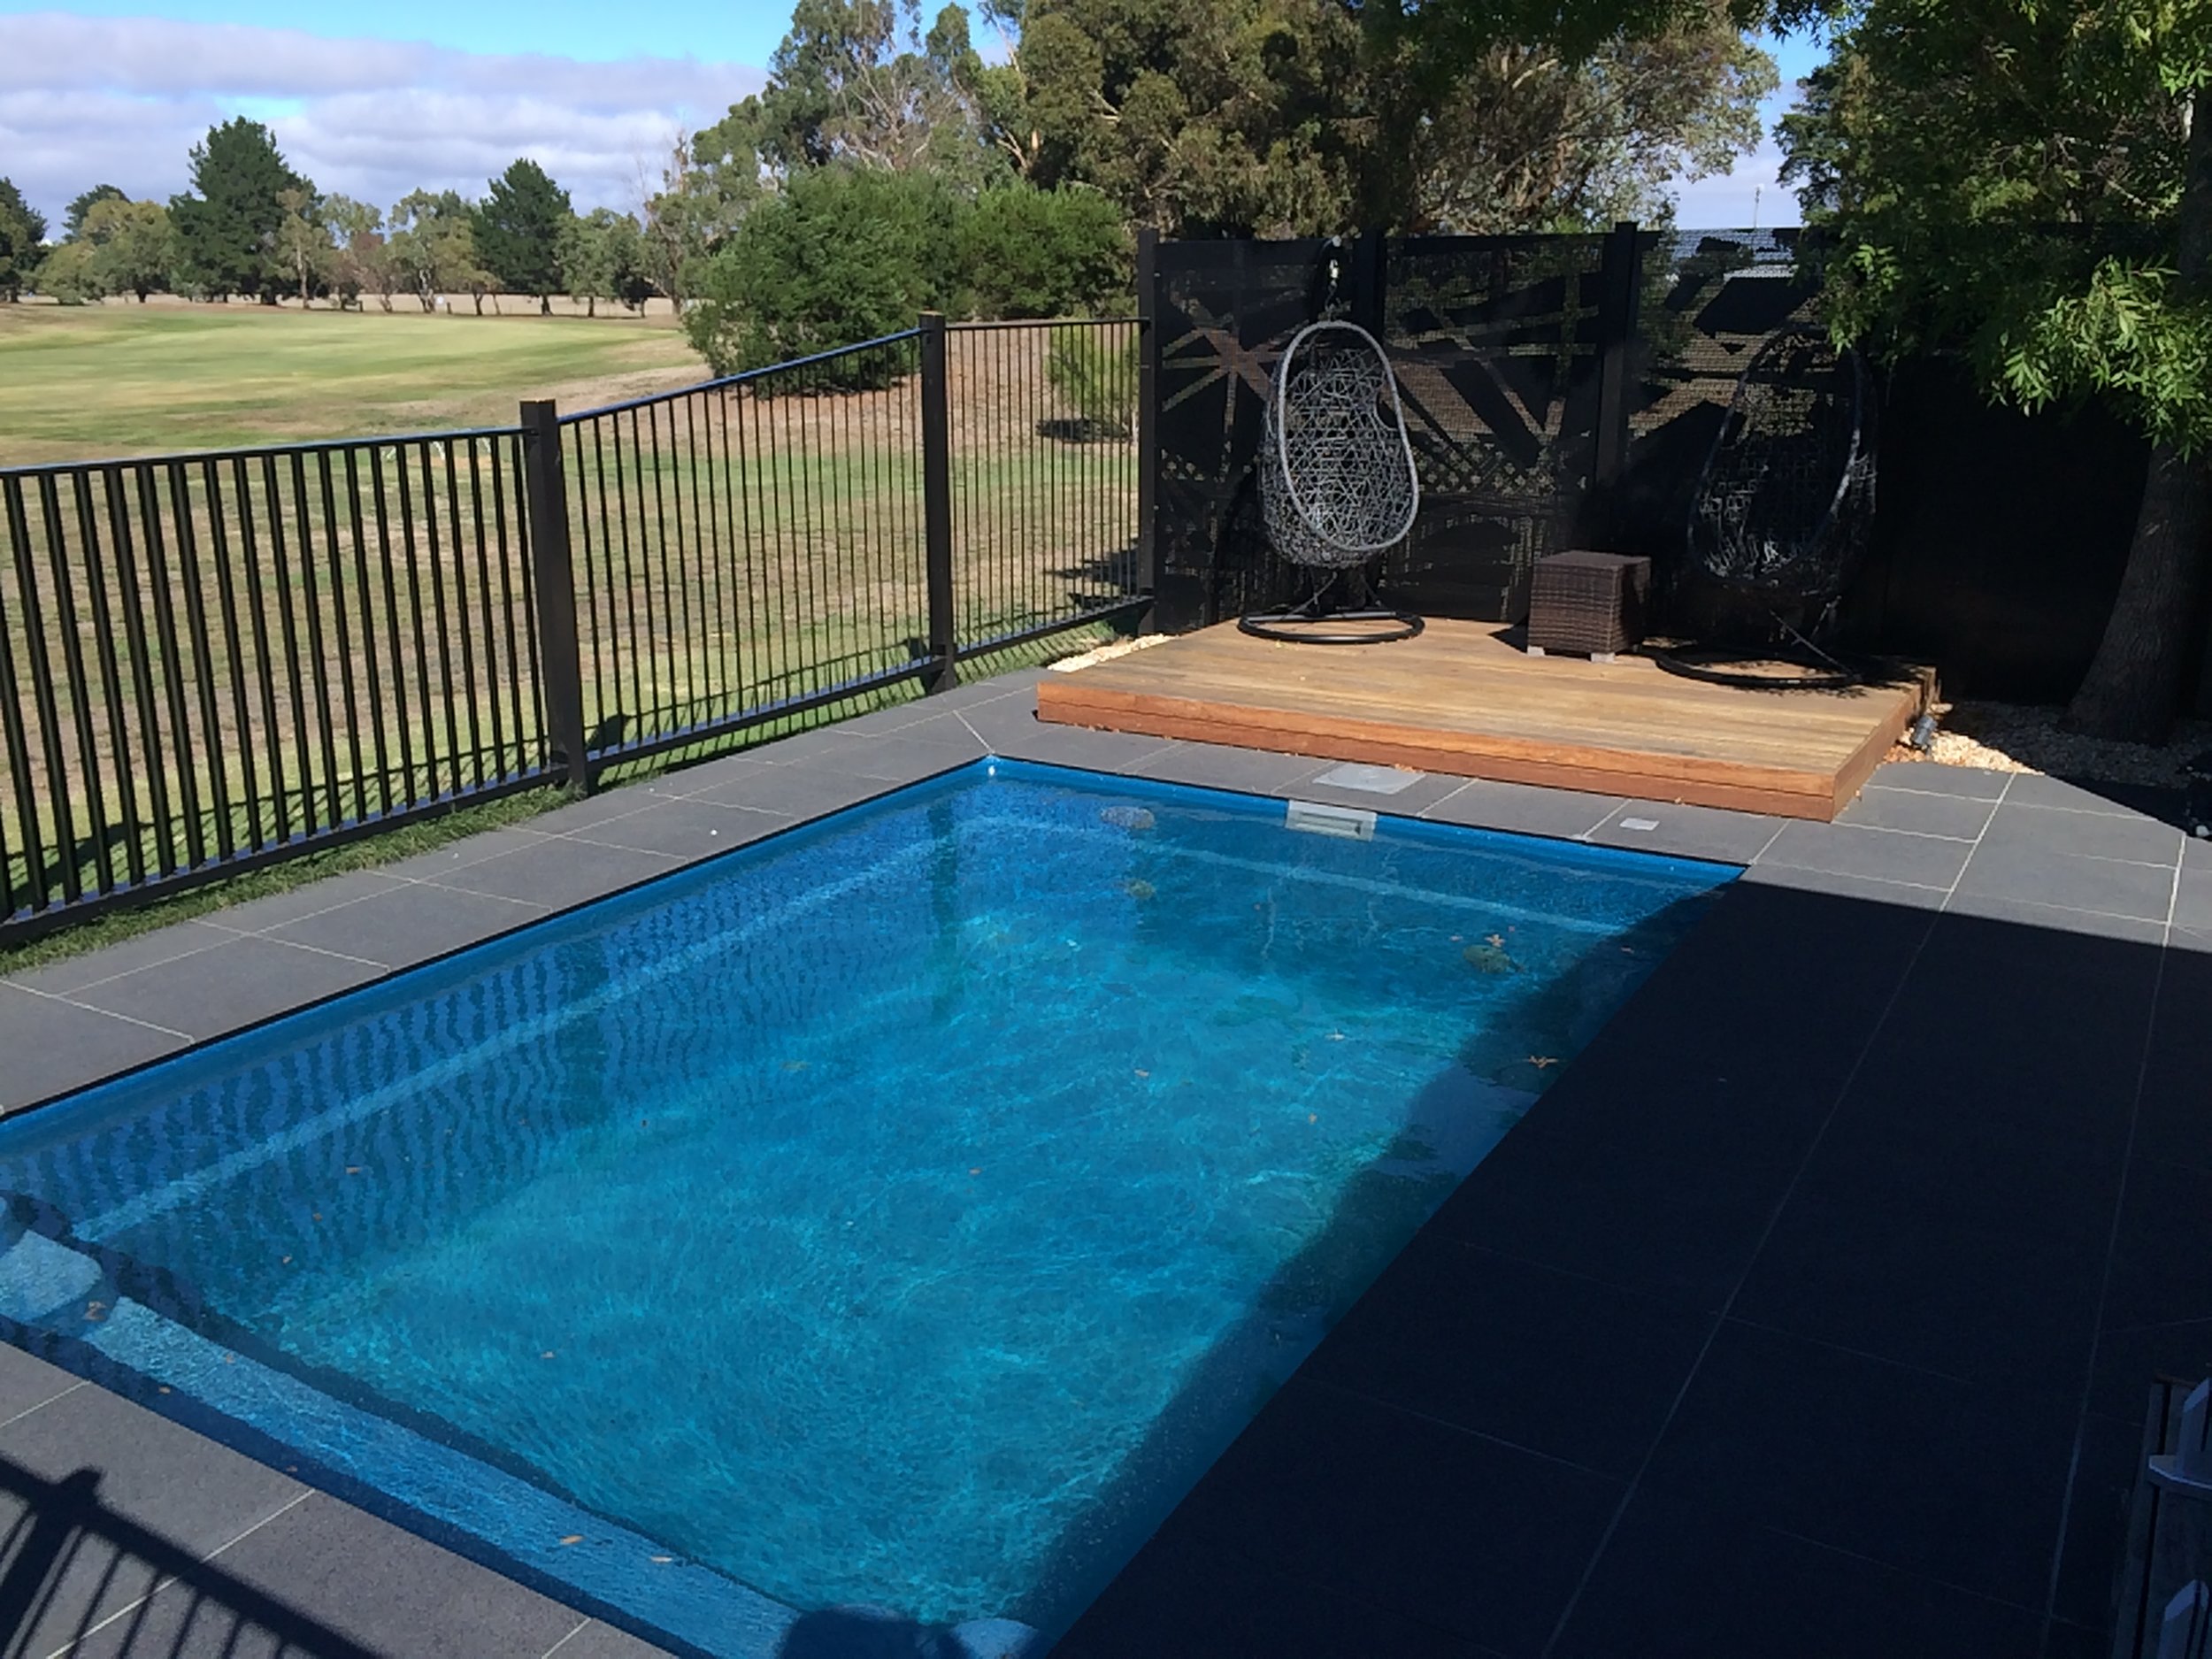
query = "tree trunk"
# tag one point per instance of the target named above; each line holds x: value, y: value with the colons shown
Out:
x: 2134, y: 685
x: 591, y: 306
x: 545, y: 304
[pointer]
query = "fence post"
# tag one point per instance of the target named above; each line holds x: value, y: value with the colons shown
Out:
x: 1370, y: 276
x: 1618, y: 278
x: 944, y: 646
x: 553, y: 590
x: 1148, y: 418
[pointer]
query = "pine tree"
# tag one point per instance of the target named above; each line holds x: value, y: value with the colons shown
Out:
x: 519, y: 229
x: 227, y: 234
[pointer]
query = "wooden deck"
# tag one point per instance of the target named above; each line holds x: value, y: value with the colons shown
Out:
x: 1460, y: 699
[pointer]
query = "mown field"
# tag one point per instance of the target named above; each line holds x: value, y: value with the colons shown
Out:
x: 219, y: 655
x: 78, y: 382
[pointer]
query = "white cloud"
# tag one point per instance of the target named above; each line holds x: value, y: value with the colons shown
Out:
x: 90, y: 100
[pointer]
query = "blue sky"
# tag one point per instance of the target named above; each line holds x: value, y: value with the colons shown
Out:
x: 375, y: 100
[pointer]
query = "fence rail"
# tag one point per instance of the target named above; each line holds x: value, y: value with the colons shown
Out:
x: 212, y: 661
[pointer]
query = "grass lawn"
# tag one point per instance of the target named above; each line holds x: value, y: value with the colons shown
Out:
x: 82, y: 381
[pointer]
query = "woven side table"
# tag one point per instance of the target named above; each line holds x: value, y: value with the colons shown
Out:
x: 1591, y: 602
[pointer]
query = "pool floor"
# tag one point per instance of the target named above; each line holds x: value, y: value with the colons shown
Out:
x: 902, y: 1213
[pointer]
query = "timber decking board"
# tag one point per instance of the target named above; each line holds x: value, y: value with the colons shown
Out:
x: 1460, y: 700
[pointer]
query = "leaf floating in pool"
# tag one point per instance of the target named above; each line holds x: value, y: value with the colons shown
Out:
x: 547, y: 1354
x: 975, y: 1171
x: 1489, y: 958
x: 353, y: 1169
x: 663, y: 1560
x: 286, y: 1262
x: 573, y: 1538
x: 1540, y: 1061
x: 1138, y: 887
x: 1313, y: 1117
x: 1142, y: 1072
x: 794, y: 1066
x: 1496, y: 940
x: 1336, y: 1036
x: 1128, y: 817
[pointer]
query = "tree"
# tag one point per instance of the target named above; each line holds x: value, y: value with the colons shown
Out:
x: 22, y: 240
x: 707, y: 186
x: 303, y: 242
x: 359, y: 261
x: 226, y: 234
x: 518, y: 231
x: 130, y: 245
x: 73, y: 216
x: 1046, y: 253
x: 603, y: 256
x: 844, y: 254
x: 432, y: 244
x: 2024, y: 178
x: 70, y: 276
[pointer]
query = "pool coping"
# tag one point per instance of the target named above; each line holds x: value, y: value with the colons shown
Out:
x: 1922, y: 842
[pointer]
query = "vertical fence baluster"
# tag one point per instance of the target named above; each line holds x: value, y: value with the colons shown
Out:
x: 257, y: 622
x: 67, y: 623
x: 194, y: 589
x: 22, y: 779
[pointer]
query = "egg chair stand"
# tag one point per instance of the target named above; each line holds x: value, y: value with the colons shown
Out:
x: 1781, y: 515
x: 1338, y: 486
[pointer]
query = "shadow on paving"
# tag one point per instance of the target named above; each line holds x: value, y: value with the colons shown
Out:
x: 1813, y: 1310
x: 72, y: 1567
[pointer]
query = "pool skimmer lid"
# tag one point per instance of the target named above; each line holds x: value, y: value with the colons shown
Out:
x: 1317, y: 818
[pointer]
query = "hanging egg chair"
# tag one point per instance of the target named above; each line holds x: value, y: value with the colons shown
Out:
x: 1338, y: 486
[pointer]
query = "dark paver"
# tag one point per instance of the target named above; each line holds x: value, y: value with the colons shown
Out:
x: 1960, y: 817
x: 2032, y: 789
x: 1881, y: 854
x: 410, y: 925
x: 1877, y: 1459
x: 595, y: 1640
x: 1482, y: 805
x: 251, y: 978
x: 906, y: 755
x: 2056, y: 919
x: 795, y: 791
x: 1842, y: 887
x: 2193, y: 896
x: 1915, y: 1286
x: 1465, y: 1535
x: 442, y: 861
x: 28, y: 1383
x: 2014, y: 872
x: 2174, y: 1118
x: 2089, y: 835
x: 346, y: 1571
x: 1925, y: 776
x: 687, y: 829
x: 1559, y: 1365
x: 197, y: 1495
x: 1247, y: 770
x: 259, y: 914
x: 1686, y: 1580
x: 51, y: 1047
x: 1420, y: 791
x: 560, y: 872
x: 1196, y: 1598
x: 143, y: 950
x: 1688, y: 832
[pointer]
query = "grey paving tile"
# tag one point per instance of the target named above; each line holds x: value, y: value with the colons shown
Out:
x: 2033, y: 875
x: 1073, y: 746
x: 1425, y: 790
x: 900, y: 757
x: 28, y: 1382
x: 2031, y: 788
x: 194, y: 1494
x: 1971, y: 782
x: 1481, y: 803
x: 2059, y: 918
x: 1688, y: 832
x: 593, y: 810
x: 603, y: 1641
x: 1843, y: 887
x: 459, y: 855
x: 1879, y: 854
x: 412, y: 925
x: 1923, y: 812
x: 259, y: 914
x: 252, y: 978
x: 795, y: 792
x: 1220, y: 766
x: 688, y: 830
x: 2196, y: 852
x: 369, y: 1582
x: 2137, y: 840
x: 2192, y: 899
x: 2196, y: 940
x: 48, y: 1048
x: 560, y: 872
x: 162, y: 944
x: 712, y: 774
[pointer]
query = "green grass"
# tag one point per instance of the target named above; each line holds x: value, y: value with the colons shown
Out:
x: 78, y: 382
x: 405, y: 841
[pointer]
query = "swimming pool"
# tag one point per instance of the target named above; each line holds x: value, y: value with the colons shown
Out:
x: 902, y: 1213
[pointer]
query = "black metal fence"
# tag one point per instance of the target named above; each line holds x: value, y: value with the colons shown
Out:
x: 212, y: 661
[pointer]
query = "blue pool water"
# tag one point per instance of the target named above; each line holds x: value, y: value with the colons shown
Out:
x: 902, y: 1212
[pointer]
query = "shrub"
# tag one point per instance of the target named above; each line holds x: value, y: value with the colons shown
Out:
x: 1047, y: 253
x: 1095, y: 370
x: 71, y: 274
x: 840, y: 255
